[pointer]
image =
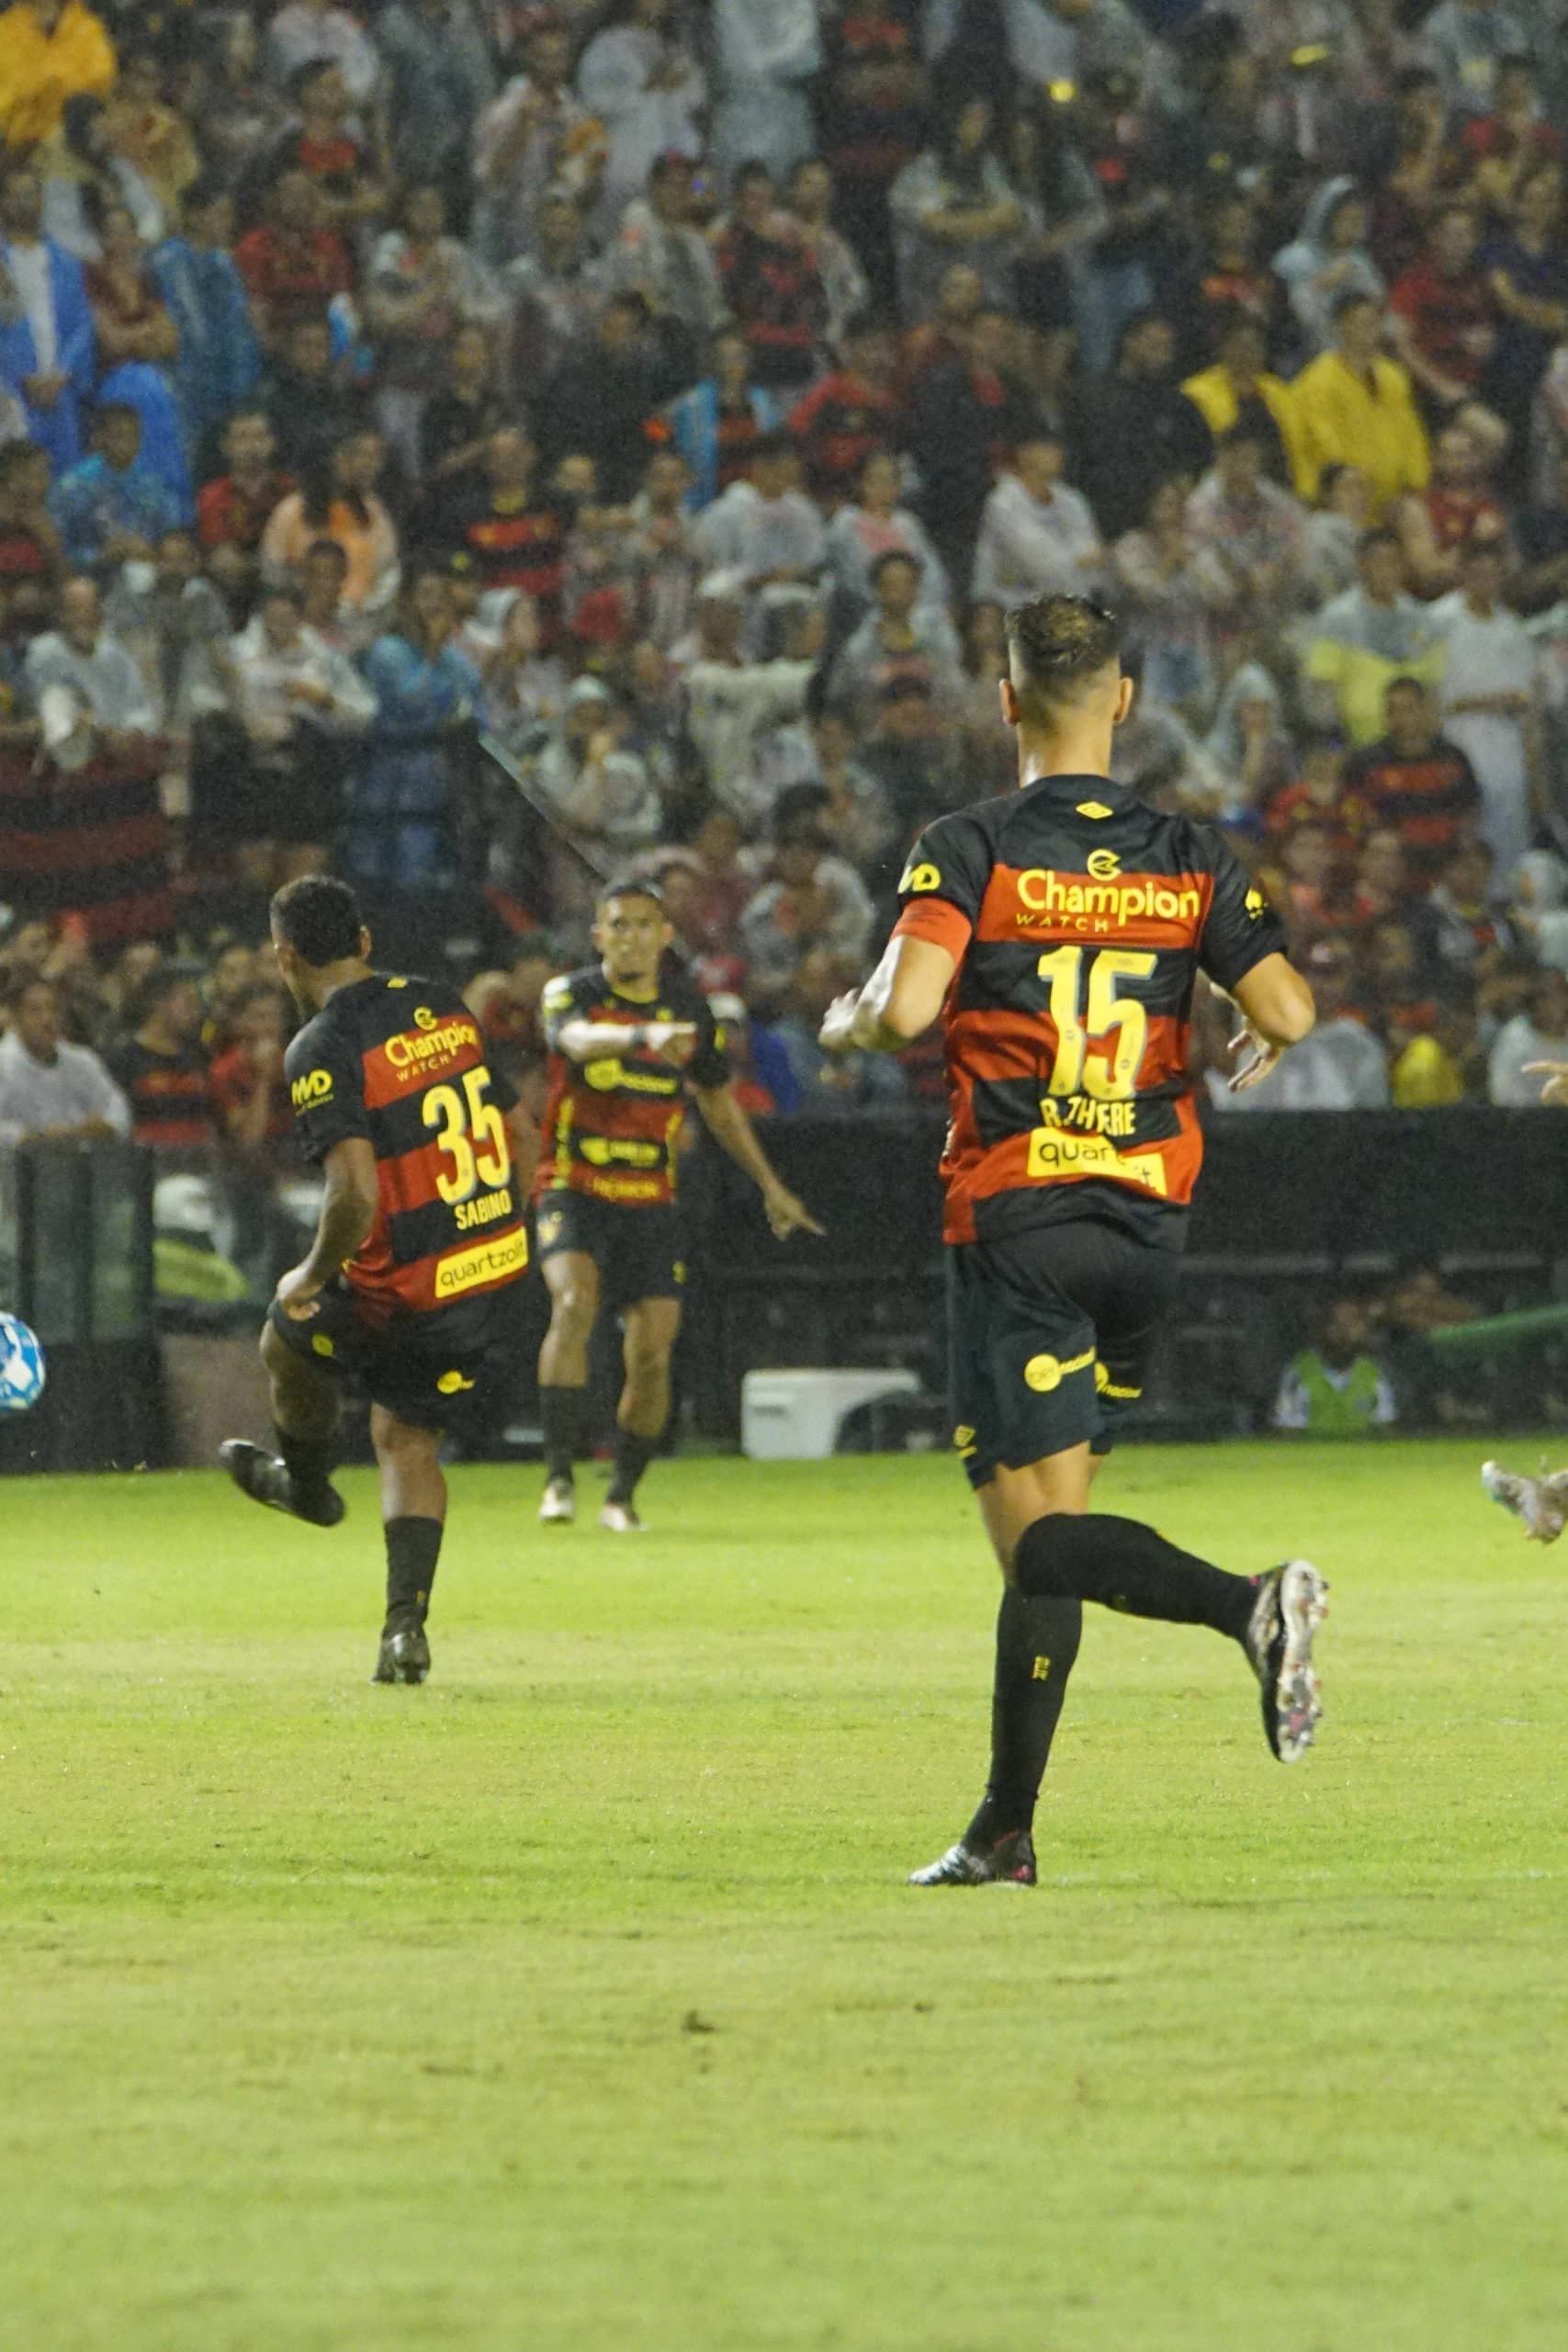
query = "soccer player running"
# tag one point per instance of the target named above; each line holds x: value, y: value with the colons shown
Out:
x: 410, y: 1288
x: 627, y: 1036
x: 1063, y: 927
x: 1540, y: 1504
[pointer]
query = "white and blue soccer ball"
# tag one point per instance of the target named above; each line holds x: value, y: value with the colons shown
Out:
x: 22, y: 1373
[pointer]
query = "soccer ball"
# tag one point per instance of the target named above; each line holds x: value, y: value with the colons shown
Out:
x: 22, y: 1372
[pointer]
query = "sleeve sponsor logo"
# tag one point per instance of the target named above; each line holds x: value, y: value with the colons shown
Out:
x: 1257, y: 906
x: 308, y: 1092
x: 919, y: 878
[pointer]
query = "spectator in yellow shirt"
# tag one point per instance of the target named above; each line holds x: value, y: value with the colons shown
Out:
x: 1241, y: 385
x: 1353, y: 405
x: 50, y: 50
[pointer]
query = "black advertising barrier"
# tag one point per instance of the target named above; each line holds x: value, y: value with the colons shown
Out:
x: 76, y: 1263
x: 1286, y: 1198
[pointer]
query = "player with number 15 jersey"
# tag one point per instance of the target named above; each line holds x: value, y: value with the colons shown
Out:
x: 1061, y: 929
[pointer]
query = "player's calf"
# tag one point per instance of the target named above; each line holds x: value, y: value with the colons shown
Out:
x: 1541, y: 1505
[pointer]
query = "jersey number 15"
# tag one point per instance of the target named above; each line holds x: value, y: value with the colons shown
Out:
x: 1116, y: 1027
x: 473, y: 1138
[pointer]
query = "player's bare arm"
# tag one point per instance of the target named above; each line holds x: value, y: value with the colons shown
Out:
x: 730, y: 1127
x: 348, y: 1212
x: 523, y: 1135
x: 1276, y: 1012
x: 591, y: 1041
x: 898, y: 1004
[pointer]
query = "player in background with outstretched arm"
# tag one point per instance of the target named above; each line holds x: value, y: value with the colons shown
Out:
x: 1063, y: 927
x: 410, y: 1289
x: 628, y: 1037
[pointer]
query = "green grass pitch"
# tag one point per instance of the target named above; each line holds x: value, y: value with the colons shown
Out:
x: 576, y: 2001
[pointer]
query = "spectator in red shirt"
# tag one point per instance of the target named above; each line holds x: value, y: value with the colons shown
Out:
x: 1436, y: 525
x: 161, y: 1066
x: 1321, y: 796
x: 249, y: 1094
x: 1444, y: 322
x: 1505, y: 142
x: 233, y: 511
x: 1416, y: 783
x: 322, y: 141
x: 850, y: 415
x: 294, y: 267
x: 772, y: 283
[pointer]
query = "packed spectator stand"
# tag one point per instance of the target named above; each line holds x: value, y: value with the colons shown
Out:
x: 486, y: 447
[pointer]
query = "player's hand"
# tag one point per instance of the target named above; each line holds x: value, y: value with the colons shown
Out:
x: 787, y: 1215
x: 1264, y: 1057
x: 298, y: 1294
x: 837, y: 1034
x: 671, y: 1041
x: 1556, y: 1076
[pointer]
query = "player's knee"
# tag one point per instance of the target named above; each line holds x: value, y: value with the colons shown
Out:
x: 396, y: 1440
x: 572, y: 1312
x: 1044, y: 1553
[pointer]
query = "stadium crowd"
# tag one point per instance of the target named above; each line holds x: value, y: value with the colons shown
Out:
x: 678, y: 396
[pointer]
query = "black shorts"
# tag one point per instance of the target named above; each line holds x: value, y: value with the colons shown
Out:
x: 410, y: 1371
x: 1049, y: 1335
x: 638, y: 1251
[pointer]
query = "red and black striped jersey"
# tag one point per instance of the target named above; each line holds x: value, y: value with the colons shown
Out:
x: 400, y: 1061
x: 1079, y: 918
x: 610, y: 1128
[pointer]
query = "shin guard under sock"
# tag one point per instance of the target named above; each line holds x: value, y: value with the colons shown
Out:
x: 562, y: 1413
x: 1037, y: 1643
x: 413, y: 1546
x: 1126, y: 1565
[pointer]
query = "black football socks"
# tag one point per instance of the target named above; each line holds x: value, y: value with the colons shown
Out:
x: 563, y: 1413
x: 309, y: 1462
x: 1037, y: 1642
x: 1126, y: 1565
x: 413, y: 1546
x: 633, y: 1454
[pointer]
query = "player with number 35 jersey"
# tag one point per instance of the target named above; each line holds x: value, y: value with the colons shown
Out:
x: 1061, y: 929
x: 408, y: 1287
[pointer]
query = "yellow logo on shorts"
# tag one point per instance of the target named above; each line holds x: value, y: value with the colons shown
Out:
x: 549, y: 1226
x: 322, y: 1345
x: 1043, y: 1373
x: 452, y: 1384
x: 1040, y: 1670
x: 964, y: 1439
x: 1109, y: 1387
x: 679, y: 1270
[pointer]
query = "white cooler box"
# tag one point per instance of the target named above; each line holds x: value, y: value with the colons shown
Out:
x: 797, y: 1416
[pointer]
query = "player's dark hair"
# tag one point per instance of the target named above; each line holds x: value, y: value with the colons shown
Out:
x: 632, y: 885
x: 1055, y: 645
x: 319, y: 917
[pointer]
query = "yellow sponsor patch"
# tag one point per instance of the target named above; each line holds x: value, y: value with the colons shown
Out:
x: 316, y: 1086
x: 1054, y: 1152
x: 1043, y: 1373
x: 321, y: 1346
x: 1255, y: 904
x: 1040, y: 1670
x: 605, y: 1075
x: 487, y: 1261
x: 920, y: 877
x: 1104, y: 864
x: 549, y: 1226
x: 452, y: 1384
x: 964, y: 1439
x: 1109, y: 1387
x: 1093, y: 809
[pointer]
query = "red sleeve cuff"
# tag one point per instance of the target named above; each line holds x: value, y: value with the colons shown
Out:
x: 939, y: 922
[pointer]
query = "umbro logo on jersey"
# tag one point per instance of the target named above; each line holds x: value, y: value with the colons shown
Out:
x: 1094, y: 809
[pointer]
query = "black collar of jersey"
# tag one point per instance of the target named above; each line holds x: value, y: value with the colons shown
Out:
x: 1071, y: 788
